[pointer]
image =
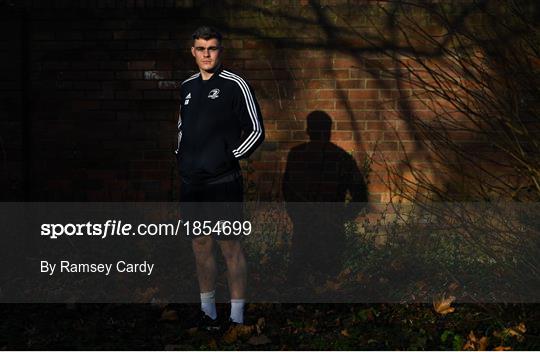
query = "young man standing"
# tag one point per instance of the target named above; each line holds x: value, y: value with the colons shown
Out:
x: 219, y: 123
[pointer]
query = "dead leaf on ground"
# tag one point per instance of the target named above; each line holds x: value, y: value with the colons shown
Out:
x: 360, y: 277
x: 515, y: 331
x: 442, y: 305
x: 259, y: 340
x: 344, y: 274
x: 332, y: 285
x: 453, y: 286
x: 311, y: 328
x: 345, y: 333
x: 475, y: 344
x: 261, y: 323
x: 502, y: 348
x: 212, y: 344
x: 237, y: 331
x: 169, y: 315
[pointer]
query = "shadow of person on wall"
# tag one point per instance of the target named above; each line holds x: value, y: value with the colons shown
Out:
x: 320, y: 185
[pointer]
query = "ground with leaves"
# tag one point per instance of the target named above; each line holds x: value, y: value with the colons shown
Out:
x: 274, y: 326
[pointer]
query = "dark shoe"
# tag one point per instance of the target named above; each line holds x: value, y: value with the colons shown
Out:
x: 205, y: 323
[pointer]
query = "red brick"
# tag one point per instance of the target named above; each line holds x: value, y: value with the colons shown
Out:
x: 334, y: 74
x: 330, y: 94
x: 315, y: 63
x: 355, y: 104
x: 320, y: 84
x: 352, y: 84
x: 387, y: 146
x: 320, y: 104
x: 341, y: 136
x: 236, y: 43
x: 377, y: 125
x: 290, y: 125
x: 369, y: 136
x: 364, y: 94
x: 345, y: 63
x: 306, y: 73
x: 277, y: 135
x: 300, y: 136
x: 398, y: 136
x: 390, y: 94
x: 347, y: 145
x: 362, y: 73
x: 350, y: 125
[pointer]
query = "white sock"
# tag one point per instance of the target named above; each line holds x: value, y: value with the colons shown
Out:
x: 208, y: 303
x: 237, y: 310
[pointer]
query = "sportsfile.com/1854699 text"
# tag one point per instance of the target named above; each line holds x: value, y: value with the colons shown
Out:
x: 119, y: 228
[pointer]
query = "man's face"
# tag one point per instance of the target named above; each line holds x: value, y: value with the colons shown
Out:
x: 207, y: 54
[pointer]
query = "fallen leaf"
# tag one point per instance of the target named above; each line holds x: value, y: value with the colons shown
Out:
x: 212, y: 344
x: 237, y: 331
x: 345, y: 333
x: 518, y: 331
x: 344, y: 274
x: 442, y: 305
x: 475, y: 344
x: 453, y: 286
x: 332, y: 285
x: 360, y: 277
x: 483, y: 343
x: 515, y: 331
x: 311, y: 328
x: 169, y: 315
x: 502, y: 348
x: 260, y: 325
x: 259, y: 340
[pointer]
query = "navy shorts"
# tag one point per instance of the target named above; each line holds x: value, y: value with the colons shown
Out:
x: 214, y: 203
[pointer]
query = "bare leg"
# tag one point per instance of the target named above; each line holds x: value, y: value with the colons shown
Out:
x: 206, y: 262
x: 236, y: 268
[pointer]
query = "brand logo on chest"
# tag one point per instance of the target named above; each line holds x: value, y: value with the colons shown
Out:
x: 214, y: 93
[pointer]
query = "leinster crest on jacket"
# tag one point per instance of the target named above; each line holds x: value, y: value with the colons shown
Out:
x: 214, y: 93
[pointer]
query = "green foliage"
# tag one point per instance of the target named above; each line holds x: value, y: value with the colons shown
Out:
x: 457, y: 342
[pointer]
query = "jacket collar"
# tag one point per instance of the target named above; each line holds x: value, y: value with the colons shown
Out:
x: 216, y: 73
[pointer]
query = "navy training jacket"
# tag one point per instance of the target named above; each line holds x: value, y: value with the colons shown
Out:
x: 219, y: 123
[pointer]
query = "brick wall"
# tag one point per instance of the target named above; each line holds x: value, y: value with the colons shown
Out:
x: 101, y: 81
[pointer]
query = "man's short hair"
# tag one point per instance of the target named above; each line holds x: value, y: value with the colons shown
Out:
x: 206, y: 33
